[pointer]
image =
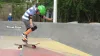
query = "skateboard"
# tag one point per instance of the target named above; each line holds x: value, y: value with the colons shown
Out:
x: 26, y: 45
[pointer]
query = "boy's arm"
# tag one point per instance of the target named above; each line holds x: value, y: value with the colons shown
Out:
x: 50, y: 19
x: 44, y: 17
x: 30, y: 20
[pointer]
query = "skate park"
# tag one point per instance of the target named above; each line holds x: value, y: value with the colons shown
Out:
x: 59, y: 37
x: 66, y: 39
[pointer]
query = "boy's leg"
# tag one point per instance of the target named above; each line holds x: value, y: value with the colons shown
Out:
x: 26, y: 23
x: 25, y: 39
x: 25, y: 36
x: 29, y: 29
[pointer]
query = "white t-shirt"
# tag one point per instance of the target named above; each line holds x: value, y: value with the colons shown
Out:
x: 30, y: 11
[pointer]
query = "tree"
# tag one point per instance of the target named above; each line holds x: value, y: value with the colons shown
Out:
x: 79, y: 10
x: 18, y: 10
x: 15, y: 1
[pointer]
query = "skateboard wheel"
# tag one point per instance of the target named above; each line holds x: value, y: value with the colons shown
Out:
x: 33, y: 46
x: 18, y: 47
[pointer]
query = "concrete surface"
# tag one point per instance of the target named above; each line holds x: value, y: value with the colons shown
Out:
x: 84, y: 37
x: 9, y: 52
x: 46, y: 45
x: 39, y: 52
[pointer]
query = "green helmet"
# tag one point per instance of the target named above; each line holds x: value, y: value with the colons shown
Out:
x: 42, y: 9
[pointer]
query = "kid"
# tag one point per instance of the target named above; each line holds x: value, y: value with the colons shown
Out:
x: 28, y: 16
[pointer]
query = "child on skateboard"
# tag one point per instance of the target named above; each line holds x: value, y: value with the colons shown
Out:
x: 28, y: 16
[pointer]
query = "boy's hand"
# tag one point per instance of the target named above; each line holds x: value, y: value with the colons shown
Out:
x: 50, y: 19
x: 31, y: 25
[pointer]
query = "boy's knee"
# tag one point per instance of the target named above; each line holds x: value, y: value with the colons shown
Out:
x: 34, y: 28
x: 27, y: 29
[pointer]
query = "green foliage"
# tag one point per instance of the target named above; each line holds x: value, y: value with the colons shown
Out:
x: 5, y: 0
x: 14, y: 1
x: 0, y: 7
x: 79, y: 10
x: 18, y: 10
x: 47, y: 3
x: 68, y: 10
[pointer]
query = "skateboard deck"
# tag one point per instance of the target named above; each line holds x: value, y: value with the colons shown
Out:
x: 26, y: 45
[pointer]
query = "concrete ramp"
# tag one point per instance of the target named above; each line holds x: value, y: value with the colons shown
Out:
x: 83, y: 37
x: 47, y: 47
x: 9, y: 52
x: 39, y: 52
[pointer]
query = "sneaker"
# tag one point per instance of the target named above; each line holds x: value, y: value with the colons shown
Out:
x: 24, y: 40
x: 25, y: 36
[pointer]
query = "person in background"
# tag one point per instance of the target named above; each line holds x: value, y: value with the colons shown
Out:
x: 10, y: 17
